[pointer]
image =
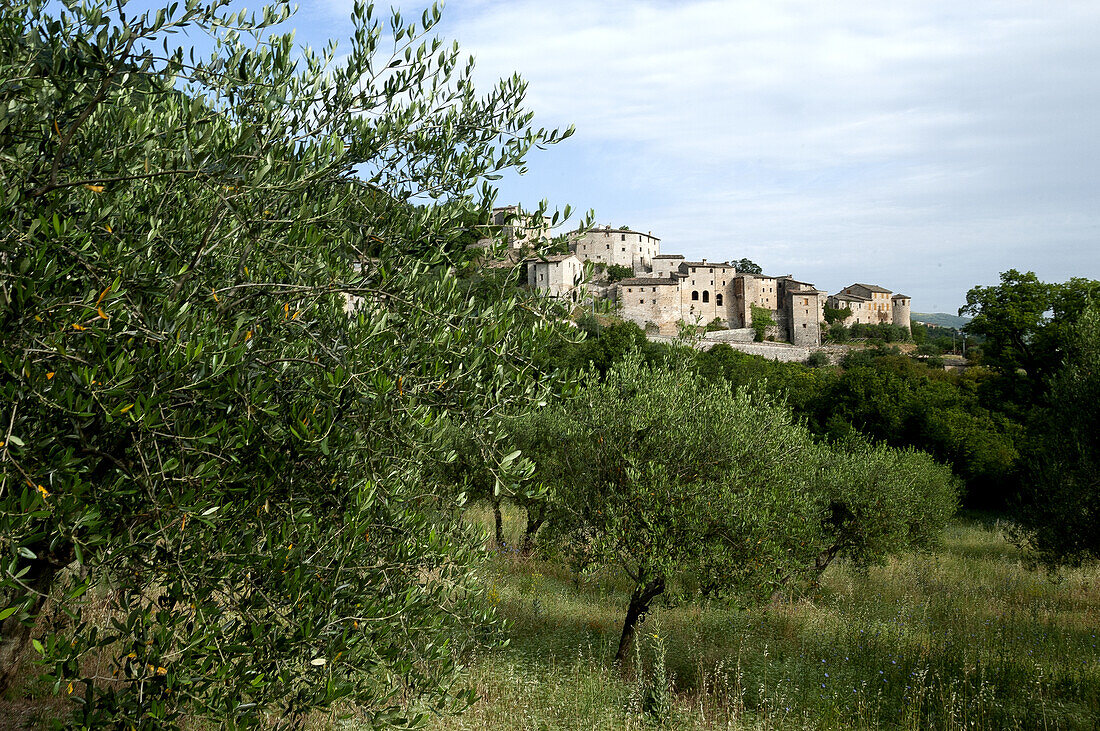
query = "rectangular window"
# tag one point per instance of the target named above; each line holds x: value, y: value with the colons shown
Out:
x: 641, y: 302
x: 622, y: 237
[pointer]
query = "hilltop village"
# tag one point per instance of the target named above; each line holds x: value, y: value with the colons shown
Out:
x: 666, y: 290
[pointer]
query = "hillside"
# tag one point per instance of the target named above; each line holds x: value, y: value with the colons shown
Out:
x: 942, y: 319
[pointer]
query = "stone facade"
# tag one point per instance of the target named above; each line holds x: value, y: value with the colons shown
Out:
x: 560, y: 275
x: 667, y: 290
x: 655, y: 304
x: 514, y: 227
x: 618, y: 246
x: 700, y: 292
x: 872, y: 305
x: 802, y: 311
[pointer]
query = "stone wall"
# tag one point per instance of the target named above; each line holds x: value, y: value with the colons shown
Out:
x: 559, y: 276
x: 646, y: 301
x: 738, y: 335
x: 621, y: 247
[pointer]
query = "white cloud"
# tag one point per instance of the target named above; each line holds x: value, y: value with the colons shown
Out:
x: 927, y: 144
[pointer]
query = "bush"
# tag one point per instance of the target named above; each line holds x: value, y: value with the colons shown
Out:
x: 761, y: 320
x: 616, y: 272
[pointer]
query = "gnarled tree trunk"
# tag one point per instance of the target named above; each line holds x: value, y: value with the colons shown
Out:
x: 16, y: 636
x: 639, y: 605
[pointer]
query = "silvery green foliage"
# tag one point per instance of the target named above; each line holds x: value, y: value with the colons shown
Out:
x: 667, y: 474
x: 228, y: 337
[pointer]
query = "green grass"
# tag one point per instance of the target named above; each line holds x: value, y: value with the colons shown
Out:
x: 963, y: 638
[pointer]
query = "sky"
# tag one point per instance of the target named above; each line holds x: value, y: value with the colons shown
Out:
x: 922, y: 145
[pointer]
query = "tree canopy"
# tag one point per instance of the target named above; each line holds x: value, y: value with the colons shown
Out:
x: 1025, y: 323
x: 230, y: 327
x: 667, y: 474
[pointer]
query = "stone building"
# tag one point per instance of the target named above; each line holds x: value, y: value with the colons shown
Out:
x: 558, y: 275
x: 618, y: 246
x: 515, y: 229
x: 702, y: 292
x: 667, y: 290
x: 801, y: 311
x: 872, y: 305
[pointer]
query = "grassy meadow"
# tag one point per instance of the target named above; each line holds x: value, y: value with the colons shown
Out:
x: 966, y: 637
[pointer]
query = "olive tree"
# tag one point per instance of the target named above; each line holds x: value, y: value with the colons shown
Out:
x: 670, y: 473
x: 666, y: 474
x: 227, y: 339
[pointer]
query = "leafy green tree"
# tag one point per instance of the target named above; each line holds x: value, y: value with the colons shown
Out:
x: 761, y: 320
x: 671, y: 473
x: 1061, y: 514
x: 837, y: 314
x: 882, y: 501
x: 227, y: 344
x: 616, y: 272
x: 748, y: 266
x: 1025, y: 324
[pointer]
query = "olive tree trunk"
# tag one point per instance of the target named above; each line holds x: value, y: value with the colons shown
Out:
x: 639, y: 605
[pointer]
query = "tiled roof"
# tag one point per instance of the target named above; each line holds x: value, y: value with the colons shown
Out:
x: 872, y: 287
x: 669, y: 256
x: 598, y: 230
x: 725, y: 264
x: 901, y: 297
x: 553, y: 258
x: 852, y: 297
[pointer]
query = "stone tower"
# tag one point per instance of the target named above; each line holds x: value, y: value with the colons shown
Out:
x: 901, y: 305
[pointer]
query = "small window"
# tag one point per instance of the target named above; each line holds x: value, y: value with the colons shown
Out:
x: 624, y: 248
x: 654, y: 301
x: 803, y: 324
x: 694, y: 296
x: 706, y: 296
x: 609, y: 247
x: 718, y: 299
x: 628, y: 289
x: 641, y: 301
x: 622, y: 237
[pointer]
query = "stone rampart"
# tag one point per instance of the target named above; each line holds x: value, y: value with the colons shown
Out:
x: 738, y: 335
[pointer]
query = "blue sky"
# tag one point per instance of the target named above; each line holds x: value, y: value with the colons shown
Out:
x: 924, y: 145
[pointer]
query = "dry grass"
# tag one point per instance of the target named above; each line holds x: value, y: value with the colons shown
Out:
x: 967, y: 637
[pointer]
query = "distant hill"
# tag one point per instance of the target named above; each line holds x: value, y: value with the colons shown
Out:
x: 939, y: 318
